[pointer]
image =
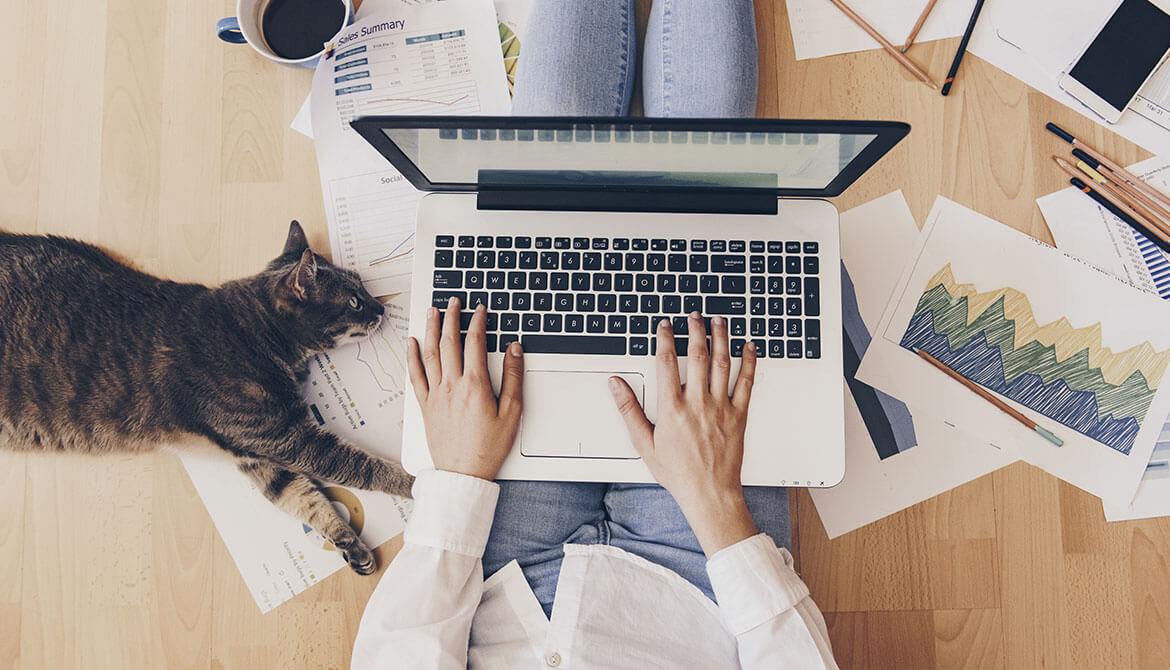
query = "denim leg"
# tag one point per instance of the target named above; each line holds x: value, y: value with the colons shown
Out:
x: 700, y: 59
x: 577, y: 59
x: 532, y: 522
x: 645, y: 520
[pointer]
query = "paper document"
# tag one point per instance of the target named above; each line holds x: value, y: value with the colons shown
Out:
x: 1074, y: 349
x: 1153, y: 101
x: 1021, y: 39
x: 895, y: 456
x: 1085, y: 229
x: 355, y: 392
x: 426, y: 59
x: 820, y: 29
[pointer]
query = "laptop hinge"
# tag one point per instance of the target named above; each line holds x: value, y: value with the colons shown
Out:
x: 566, y: 200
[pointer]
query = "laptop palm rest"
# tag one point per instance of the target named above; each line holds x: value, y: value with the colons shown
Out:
x: 573, y: 415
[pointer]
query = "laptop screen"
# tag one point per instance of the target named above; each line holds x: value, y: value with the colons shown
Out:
x: 646, y: 154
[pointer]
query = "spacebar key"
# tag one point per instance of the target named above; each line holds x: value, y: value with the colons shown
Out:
x: 573, y: 344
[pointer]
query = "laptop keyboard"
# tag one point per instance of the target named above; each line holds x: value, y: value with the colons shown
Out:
x: 602, y: 295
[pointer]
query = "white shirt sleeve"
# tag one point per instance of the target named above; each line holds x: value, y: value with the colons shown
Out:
x: 419, y: 616
x: 767, y: 607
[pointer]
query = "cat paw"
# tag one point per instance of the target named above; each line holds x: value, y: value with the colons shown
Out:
x: 359, y: 558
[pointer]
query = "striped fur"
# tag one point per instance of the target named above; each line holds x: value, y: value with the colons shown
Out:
x: 97, y: 357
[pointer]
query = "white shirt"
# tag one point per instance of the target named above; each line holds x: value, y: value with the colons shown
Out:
x: 433, y: 609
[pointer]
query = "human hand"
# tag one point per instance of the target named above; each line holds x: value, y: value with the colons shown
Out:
x: 696, y: 449
x: 468, y: 431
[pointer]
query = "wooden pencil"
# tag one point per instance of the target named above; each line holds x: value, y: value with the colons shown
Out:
x: 890, y: 48
x: 1112, y: 197
x: 954, y: 71
x: 918, y: 25
x: 1123, y: 185
x: 986, y: 395
x: 1161, y: 241
x: 1122, y: 173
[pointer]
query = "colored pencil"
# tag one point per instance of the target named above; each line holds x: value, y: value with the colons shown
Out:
x: 1046, y: 434
x: 1105, y: 173
x: 918, y: 24
x: 1152, y: 236
x: 1112, y: 197
x: 1121, y: 172
x: 905, y: 62
x: 946, y: 87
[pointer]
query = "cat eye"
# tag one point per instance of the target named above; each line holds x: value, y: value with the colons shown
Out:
x: 355, y: 303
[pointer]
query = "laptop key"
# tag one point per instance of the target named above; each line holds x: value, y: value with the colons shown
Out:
x: 775, y: 265
x: 726, y: 305
x: 728, y: 263
x: 607, y: 302
x: 473, y: 279
x: 640, y: 325
x: 580, y: 243
x: 792, y: 265
x: 737, y: 348
x: 776, y: 306
x: 521, y: 301
x: 549, y: 260
x: 775, y: 285
x: 503, y: 242
x: 444, y: 258
x: 698, y: 245
x: 570, y: 260
x: 490, y: 342
x: 613, y: 261
x: 644, y: 283
x: 538, y: 281
x: 757, y: 306
x: 640, y: 244
x: 506, y: 260
x: 775, y: 327
x: 574, y: 323
x: 616, y: 324
x: 761, y: 348
x: 495, y: 279
x: 688, y: 284
x: 709, y: 284
x: 812, y: 296
x: 602, y: 281
x: 794, y: 328
x: 676, y: 263
x: 621, y: 244
x: 499, y: 301
x: 718, y: 246
x: 793, y: 307
x: 812, y: 265
x: 775, y: 348
x: 559, y: 281
x: 485, y: 241
x: 517, y: 281
x: 563, y: 302
x: 756, y: 246
x: 591, y: 261
x: 738, y: 327
x: 439, y: 299
x: 795, y: 350
x: 639, y: 346
x: 542, y: 302
x: 580, y: 281
x: 733, y: 285
x: 528, y: 260
x: 672, y: 304
x: 737, y: 246
x: 658, y: 244
x: 757, y: 285
x: 692, y: 303
x: 792, y: 247
x: 552, y: 323
x: 562, y: 243
x: 573, y: 344
x: 635, y: 262
x: 698, y: 263
x: 510, y: 321
x: 595, y: 323
x: 600, y: 243
x: 650, y: 304
x: 544, y: 243
x: 666, y: 283
x: 475, y: 299
x: 444, y: 240
x: 757, y: 264
x: 759, y: 327
x: 530, y: 323
x: 505, y: 340
x: 466, y: 241
x: 628, y: 303
x: 656, y: 262
x: 464, y: 259
x: 585, y: 302
x: 448, y: 279
x: 623, y: 282
x: 775, y: 247
x: 523, y: 242
x: 678, y: 245
x: 792, y: 285
x: 811, y: 247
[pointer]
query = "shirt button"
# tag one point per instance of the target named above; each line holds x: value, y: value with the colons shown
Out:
x: 553, y: 660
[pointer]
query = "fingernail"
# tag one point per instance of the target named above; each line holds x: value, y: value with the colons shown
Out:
x: 696, y: 315
x: 717, y: 321
x: 663, y: 324
x: 434, y: 311
x: 481, y: 307
x: 452, y: 301
x: 613, y: 384
x: 515, y: 350
x: 751, y: 346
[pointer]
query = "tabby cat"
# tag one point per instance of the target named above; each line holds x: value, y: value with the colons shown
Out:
x: 98, y: 357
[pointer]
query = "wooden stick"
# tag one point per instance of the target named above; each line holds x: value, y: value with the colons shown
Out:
x: 1111, y: 196
x: 890, y: 48
x: 1103, y: 170
x: 1007, y: 409
x: 918, y: 25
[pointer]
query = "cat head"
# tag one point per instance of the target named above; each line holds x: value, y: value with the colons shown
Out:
x: 324, y: 305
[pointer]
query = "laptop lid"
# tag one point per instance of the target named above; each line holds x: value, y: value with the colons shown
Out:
x: 698, y: 159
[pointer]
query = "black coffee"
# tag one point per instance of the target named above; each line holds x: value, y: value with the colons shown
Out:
x: 297, y: 29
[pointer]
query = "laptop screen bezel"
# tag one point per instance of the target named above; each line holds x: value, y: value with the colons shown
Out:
x: 886, y: 135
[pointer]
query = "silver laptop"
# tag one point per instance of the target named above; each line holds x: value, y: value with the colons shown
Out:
x: 581, y: 234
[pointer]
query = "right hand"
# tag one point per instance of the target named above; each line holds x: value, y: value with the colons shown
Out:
x: 696, y: 449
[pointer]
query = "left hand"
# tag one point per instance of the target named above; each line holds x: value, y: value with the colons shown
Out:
x: 468, y: 430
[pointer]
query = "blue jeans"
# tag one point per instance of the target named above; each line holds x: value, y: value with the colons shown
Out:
x: 578, y: 59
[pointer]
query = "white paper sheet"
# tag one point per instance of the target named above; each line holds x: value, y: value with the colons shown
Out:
x: 355, y: 392
x: 874, y: 237
x: 1028, y: 296
x: 432, y: 58
x: 1089, y: 231
x: 1021, y: 39
x: 820, y: 29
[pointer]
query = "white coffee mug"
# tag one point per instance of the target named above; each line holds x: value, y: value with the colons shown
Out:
x: 245, y: 27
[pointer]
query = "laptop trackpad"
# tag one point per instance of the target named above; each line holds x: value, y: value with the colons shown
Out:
x: 573, y: 415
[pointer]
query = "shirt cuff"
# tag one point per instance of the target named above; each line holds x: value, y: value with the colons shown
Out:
x: 452, y: 512
x: 753, y: 581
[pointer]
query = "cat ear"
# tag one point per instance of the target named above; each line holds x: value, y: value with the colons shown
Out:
x: 296, y: 242
x: 303, y: 275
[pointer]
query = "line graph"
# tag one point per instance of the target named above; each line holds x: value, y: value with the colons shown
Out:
x: 442, y: 103
x: 397, y: 253
x: 385, y: 360
x: 1062, y: 372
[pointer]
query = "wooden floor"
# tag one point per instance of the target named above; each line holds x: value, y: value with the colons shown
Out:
x: 127, y: 123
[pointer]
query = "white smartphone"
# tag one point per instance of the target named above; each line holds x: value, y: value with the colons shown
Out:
x: 1122, y: 56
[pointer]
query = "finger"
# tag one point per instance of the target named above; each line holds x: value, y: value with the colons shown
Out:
x: 418, y: 375
x: 697, y: 357
x: 430, y: 349
x: 511, y: 386
x: 450, y: 353
x: 720, y: 359
x: 641, y: 432
x: 746, y: 379
x: 669, y: 384
x: 475, y: 347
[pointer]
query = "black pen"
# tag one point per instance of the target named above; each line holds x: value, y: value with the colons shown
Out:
x: 946, y: 87
x: 1116, y: 211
